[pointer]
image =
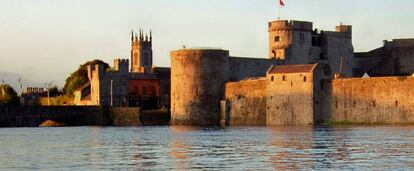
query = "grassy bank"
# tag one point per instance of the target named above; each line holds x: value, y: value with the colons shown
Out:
x: 345, y: 123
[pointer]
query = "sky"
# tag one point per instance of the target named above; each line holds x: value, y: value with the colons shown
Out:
x: 45, y: 40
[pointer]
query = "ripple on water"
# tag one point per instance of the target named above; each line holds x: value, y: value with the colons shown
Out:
x: 182, y: 148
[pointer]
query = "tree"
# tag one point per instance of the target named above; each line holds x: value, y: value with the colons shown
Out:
x: 54, y: 91
x: 8, y: 96
x: 80, y: 77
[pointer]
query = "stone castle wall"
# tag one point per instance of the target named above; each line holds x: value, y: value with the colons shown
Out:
x: 197, y: 85
x: 104, y: 82
x: 290, y: 99
x: 198, y: 78
x: 241, y: 68
x: 380, y: 100
x: 338, y: 45
x: 246, y: 102
x: 394, y: 58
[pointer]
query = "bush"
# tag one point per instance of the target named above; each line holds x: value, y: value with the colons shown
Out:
x: 56, y: 101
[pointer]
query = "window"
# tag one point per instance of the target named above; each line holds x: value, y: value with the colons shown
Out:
x: 284, y: 78
x: 272, y: 78
x: 314, y: 41
x: 144, y: 91
x: 135, y: 57
x: 135, y: 90
x: 302, y: 36
x: 274, y: 54
x: 277, y: 39
x: 146, y: 59
x: 322, y: 56
x: 152, y: 91
x: 304, y: 79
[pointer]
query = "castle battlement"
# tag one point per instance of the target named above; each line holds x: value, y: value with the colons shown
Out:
x: 290, y: 25
x: 343, y: 28
x: 399, y: 43
x: 200, y: 53
x: 121, y: 65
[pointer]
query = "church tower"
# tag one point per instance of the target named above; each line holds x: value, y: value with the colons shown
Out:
x: 141, y: 52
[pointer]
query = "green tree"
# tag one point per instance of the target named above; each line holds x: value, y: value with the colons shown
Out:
x: 80, y: 77
x: 8, y: 96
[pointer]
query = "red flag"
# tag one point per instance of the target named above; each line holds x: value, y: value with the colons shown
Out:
x: 282, y: 3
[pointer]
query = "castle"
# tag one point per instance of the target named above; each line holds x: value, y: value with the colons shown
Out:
x: 295, y: 85
x: 144, y: 85
x: 309, y: 77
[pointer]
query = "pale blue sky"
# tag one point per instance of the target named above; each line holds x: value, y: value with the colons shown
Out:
x: 45, y: 40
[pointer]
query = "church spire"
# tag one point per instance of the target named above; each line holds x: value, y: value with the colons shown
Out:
x: 132, y: 36
x: 150, y: 35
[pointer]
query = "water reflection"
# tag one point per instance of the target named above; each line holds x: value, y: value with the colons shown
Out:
x: 184, y: 148
x: 179, y: 150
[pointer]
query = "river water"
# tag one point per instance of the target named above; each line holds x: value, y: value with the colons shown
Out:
x: 184, y: 148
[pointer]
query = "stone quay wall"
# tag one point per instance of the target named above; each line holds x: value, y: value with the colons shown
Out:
x: 379, y: 100
x: 246, y: 102
x: 80, y: 116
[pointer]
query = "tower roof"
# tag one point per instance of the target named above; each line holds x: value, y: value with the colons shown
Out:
x: 292, y: 68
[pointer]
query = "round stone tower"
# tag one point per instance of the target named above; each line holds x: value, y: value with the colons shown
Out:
x: 290, y: 41
x: 197, y: 85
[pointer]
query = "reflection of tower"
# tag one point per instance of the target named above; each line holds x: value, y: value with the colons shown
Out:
x: 141, y: 52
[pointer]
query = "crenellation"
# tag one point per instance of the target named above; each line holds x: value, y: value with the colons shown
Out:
x: 286, y: 25
x: 121, y: 65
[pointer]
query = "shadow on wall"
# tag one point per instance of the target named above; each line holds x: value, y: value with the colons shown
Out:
x: 247, y: 110
x: 290, y: 109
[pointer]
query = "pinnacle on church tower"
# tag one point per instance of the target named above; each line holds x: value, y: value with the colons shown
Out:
x: 132, y: 35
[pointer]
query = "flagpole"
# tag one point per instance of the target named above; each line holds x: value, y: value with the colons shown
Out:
x: 280, y: 8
